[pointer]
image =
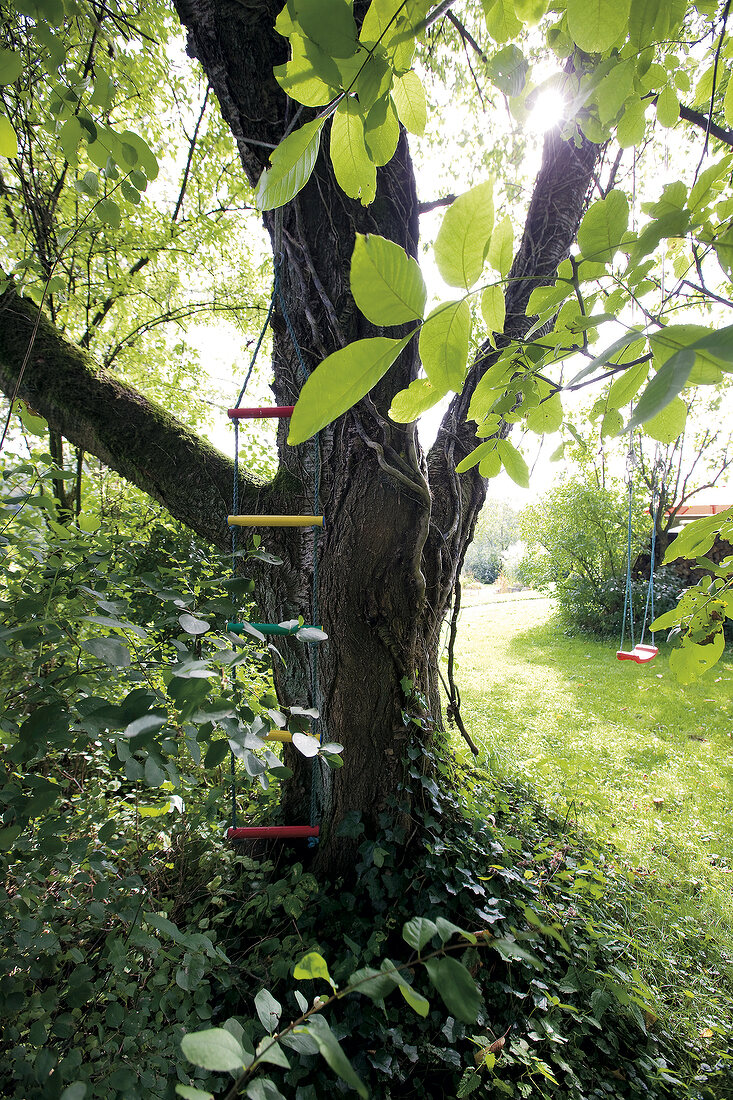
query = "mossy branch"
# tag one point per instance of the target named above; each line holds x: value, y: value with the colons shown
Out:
x: 124, y: 429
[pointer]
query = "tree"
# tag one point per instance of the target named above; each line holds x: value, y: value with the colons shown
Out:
x: 495, y: 531
x: 398, y: 520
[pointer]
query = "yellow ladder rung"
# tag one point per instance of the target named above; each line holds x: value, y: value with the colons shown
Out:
x: 279, y: 735
x: 283, y: 736
x: 275, y: 521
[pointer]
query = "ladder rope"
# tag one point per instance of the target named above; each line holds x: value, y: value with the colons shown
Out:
x: 316, y: 793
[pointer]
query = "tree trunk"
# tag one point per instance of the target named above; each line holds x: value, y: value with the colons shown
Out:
x: 397, y: 524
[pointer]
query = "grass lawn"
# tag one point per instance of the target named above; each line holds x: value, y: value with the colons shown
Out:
x: 622, y: 748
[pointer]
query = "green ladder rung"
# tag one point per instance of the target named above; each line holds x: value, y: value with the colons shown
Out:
x: 266, y: 628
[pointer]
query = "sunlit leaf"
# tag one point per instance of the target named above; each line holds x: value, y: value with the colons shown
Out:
x: 355, y: 171
x: 444, y: 342
x: 291, y: 166
x: 387, y: 284
x: 597, y: 24
x: 339, y: 382
x: 409, y: 99
x: 463, y: 238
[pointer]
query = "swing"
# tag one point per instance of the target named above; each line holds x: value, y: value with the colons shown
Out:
x: 235, y: 521
x: 640, y: 653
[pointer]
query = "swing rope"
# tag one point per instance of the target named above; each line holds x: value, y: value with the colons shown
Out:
x: 628, y: 602
x: 316, y: 794
x: 656, y: 491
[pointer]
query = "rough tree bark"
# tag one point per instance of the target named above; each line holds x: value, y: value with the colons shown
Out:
x: 397, y: 522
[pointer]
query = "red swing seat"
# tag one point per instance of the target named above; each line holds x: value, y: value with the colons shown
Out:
x: 640, y: 654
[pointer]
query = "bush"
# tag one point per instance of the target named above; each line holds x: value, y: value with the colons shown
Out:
x: 599, y: 609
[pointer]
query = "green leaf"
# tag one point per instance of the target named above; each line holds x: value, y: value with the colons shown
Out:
x: 368, y: 77
x: 669, y: 380
x: 547, y: 298
x: 611, y: 93
x: 513, y: 463
x: 291, y: 166
x: 190, y: 1093
x: 8, y: 138
x: 447, y: 929
x: 332, y: 1053
x: 374, y: 984
x: 382, y: 131
x: 355, y: 171
x: 668, y: 107
x: 11, y: 66
x: 328, y: 23
x: 415, y: 1000
x: 547, y: 416
x: 419, y: 396
x: 508, y: 69
x: 607, y: 356
x: 387, y: 284
x: 596, y: 25
x: 501, y: 20
x: 216, y: 753
x: 464, y: 235
x: 456, y: 988
x: 262, y: 1088
x: 8, y: 836
x: 192, y: 625
x: 144, y: 158
x: 272, y: 1052
x: 728, y: 103
x: 444, y: 342
x: 108, y: 213
x: 310, y: 77
x: 632, y: 127
x: 691, y: 661
x: 418, y: 931
x: 215, y: 1049
x: 109, y: 650
x: 697, y: 537
x: 627, y: 385
x: 530, y: 11
x: 311, y: 967
x: 648, y: 22
x: 513, y: 951
x: 77, y: 1090
x: 501, y: 247
x: 340, y: 381
x: 154, y: 774
x: 669, y: 424
x: 493, y: 309
x: 602, y: 229
x: 409, y: 100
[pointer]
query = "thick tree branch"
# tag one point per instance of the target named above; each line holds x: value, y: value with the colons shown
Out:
x: 697, y: 118
x: 99, y: 414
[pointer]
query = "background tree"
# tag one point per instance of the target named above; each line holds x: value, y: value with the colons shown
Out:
x: 495, y: 531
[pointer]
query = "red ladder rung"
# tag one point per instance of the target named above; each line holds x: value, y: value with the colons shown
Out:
x: 272, y: 832
x: 263, y: 412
